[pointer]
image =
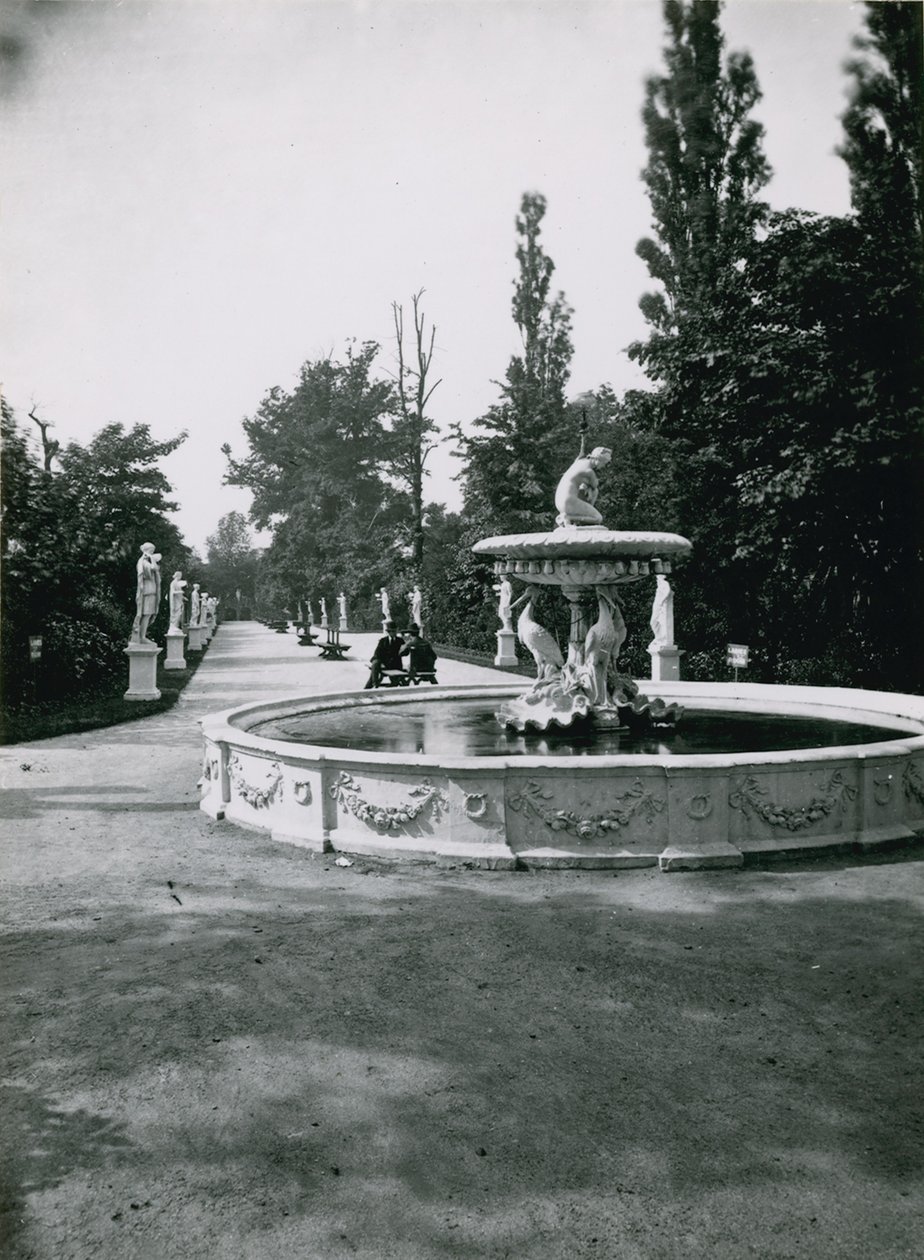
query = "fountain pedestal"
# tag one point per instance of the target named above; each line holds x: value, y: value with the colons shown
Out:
x: 589, y: 565
x: 142, y: 671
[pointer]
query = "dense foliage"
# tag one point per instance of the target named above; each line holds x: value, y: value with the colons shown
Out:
x: 317, y: 468
x: 69, y: 538
x: 781, y: 430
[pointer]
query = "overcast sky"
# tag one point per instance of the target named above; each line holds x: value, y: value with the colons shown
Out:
x: 199, y: 196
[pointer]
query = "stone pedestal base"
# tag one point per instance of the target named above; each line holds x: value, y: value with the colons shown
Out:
x: 665, y: 663
x: 195, y: 639
x: 142, y: 671
x: 175, y: 658
x: 506, y: 648
x: 325, y: 624
x: 344, y: 628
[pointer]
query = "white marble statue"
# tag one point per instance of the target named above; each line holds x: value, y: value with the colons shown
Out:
x: 386, y: 607
x: 505, y: 604
x: 195, y: 601
x: 203, y: 608
x: 177, y: 600
x: 415, y: 599
x: 147, y: 592
x: 662, y: 614
x: 342, y: 603
x: 578, y: 489
x: 541, y: 646
x: 323, y: 610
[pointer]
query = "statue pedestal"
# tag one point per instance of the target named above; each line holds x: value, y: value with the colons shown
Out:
x: 506, y: 648
x: 195, y: 639
x: 344, y: 628
x: 206, y: 632
x: 325, y: 624
x: 175, y: 658
x: 142, y: 671
x: 665, y: 663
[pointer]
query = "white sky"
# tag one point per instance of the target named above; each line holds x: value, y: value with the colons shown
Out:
x: 199, y: 196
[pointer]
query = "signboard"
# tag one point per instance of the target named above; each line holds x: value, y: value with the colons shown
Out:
x: 35, y: 647
x: 737, y: 655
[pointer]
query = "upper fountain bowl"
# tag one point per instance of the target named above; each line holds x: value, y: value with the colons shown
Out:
x: 586, y: 542
x: 584, y: 555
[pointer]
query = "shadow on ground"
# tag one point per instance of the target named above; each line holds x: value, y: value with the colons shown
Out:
x: 442, y: 1064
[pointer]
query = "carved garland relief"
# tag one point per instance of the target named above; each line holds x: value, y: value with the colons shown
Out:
x: 751, y: 797
x: 913, y: 783
x: 637, y: 801
x: 348, y: 793
x: 259, y: 795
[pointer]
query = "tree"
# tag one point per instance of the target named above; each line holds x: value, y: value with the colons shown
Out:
x: 511, y: 462
x: 70, y: 539
x: 412, y: 428
x: 232, y: 562
x: 705, y: 170
x: 883, y: 122
x: 316, y: 469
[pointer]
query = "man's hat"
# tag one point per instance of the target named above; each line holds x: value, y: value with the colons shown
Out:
x: 391, y: 625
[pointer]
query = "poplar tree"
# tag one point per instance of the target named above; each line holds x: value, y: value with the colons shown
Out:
x: 705, y: 171
x: 522, y: 441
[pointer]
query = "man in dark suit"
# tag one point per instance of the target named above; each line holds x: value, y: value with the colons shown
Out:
x: 387, y: 655
x: 421, y: 662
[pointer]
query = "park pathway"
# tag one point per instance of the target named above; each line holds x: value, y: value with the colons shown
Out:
x: 218, y: 1047
x: 246, y: 662
x: 92, y: 780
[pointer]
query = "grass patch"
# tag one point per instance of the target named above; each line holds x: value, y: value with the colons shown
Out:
x: 526, y: 668
x: 93, y: 709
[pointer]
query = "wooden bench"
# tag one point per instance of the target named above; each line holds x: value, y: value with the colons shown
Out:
x: 394, y: 678
x: 333, y: 649
x: 424, y: 675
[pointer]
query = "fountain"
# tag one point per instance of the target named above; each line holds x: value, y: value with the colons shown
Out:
x: 580, y: 767
x: 588, y: 564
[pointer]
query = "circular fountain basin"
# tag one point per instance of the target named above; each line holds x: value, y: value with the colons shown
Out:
x: 420, y: 786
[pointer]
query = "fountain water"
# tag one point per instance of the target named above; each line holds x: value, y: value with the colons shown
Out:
x: 629, y: 787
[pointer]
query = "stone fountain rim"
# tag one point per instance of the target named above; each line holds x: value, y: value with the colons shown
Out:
x: 839, y: 702
x: 585, y: 541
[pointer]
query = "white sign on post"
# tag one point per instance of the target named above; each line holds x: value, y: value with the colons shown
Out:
x: 737, y: 655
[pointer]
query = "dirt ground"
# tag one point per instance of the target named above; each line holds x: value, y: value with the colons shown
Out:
x: 216, y: 1046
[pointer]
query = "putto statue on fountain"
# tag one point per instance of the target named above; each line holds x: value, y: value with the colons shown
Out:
x: 588, y: 563
x: 578, y: 489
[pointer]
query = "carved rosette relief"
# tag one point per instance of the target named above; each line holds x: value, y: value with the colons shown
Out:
x: 475, y: 804
x: 537, y: 801
x: 882, y: 789
x: 699, y: 806
x: 347, y: 792
x: 751, y: 798
x: 260, y: 794
x: 302, y: 792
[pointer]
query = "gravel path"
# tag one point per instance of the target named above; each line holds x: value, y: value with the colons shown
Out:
x: 216, y: 1047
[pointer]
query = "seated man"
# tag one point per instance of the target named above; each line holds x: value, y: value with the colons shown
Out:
x: 387, y: 655
x: 420, y: 654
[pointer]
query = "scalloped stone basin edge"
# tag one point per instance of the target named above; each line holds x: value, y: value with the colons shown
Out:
x: 680, y: 813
